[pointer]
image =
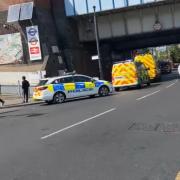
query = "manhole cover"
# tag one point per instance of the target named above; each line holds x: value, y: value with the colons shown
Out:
x: 169, y: 127
x: 143, y: 127
x: 155, y: 127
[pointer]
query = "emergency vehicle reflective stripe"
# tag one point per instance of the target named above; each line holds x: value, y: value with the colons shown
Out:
x: 89, y: 85
x: 148, y: 62
x: 124, y: 74
x: 75, y: 86
x: 51, y: 88
x: 69, y: 86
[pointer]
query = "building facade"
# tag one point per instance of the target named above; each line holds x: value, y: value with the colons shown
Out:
x: 14, y: 51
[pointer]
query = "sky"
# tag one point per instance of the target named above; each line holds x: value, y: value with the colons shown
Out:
x: 78, y: 7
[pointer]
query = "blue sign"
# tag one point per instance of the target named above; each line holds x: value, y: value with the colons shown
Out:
x: 32, y: 32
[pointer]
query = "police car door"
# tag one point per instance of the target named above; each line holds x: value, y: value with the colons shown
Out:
x: 69, y: 86
x: 84, y: 85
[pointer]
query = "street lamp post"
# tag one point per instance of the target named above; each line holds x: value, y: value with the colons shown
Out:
x: 97, y: 44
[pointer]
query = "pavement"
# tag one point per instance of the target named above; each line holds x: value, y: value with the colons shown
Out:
x: 130, y: 135
x: 12, y: 100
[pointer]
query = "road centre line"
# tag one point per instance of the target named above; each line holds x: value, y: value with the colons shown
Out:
x: 171, y: 85
x: 76, y: 124
x: 148, y: 95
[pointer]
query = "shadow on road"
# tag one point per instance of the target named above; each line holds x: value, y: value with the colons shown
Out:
x: 78, y: 99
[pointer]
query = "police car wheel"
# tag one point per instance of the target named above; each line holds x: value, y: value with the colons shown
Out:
x: 59, y: 98
x: 104, y: 91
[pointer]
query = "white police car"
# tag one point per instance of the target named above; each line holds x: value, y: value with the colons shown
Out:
x: 58, y: 89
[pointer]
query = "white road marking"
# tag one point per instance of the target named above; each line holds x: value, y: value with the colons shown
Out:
x: 171, y: 85
x: 76, y: 124
x: 148, y: 95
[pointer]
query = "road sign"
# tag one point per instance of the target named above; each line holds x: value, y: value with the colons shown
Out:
x: 94, y: 57
x: 33, y: 43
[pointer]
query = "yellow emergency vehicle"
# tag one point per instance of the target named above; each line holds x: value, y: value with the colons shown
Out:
x: 150, y: 63
x: 129, y: 73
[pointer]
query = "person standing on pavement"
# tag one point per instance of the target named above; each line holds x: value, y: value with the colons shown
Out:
x: 25, y: 88
x: 2, y: 101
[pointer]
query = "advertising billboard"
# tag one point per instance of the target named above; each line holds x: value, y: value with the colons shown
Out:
x: 11, y: 50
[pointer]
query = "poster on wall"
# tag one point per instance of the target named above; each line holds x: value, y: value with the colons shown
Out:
x: 33, y: 43
x: 11, y: 50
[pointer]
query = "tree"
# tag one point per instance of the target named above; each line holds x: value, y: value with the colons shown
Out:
x: 175, y: 53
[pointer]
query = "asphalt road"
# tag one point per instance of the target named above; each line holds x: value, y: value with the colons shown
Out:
x: 130, y: 135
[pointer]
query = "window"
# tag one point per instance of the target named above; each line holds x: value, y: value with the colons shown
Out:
x: 42, y: 82
x: 82, y: 79
x: 55, y: 81
x: 66, y: 80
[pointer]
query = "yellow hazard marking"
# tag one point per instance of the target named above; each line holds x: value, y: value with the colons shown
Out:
x: 178, y: 176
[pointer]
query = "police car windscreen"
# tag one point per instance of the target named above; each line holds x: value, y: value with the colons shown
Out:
x: 42, y: 82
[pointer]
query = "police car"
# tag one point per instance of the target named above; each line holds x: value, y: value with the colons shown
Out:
x: 58, y: 89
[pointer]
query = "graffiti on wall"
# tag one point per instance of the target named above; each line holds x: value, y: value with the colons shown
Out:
x: 11, y: 50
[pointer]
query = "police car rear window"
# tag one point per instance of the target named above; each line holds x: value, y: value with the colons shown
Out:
x: 42, y: 82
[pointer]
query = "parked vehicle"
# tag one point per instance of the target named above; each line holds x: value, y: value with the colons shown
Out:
x: 165, y: 67
x: 58, y: 89
x: 128, y: 74
x: 151, y: 64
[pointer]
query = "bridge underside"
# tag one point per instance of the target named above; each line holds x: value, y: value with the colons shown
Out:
x: 141, y: 40
x: 131, y: 22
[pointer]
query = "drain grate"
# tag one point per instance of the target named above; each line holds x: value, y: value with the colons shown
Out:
x: 155, y: 127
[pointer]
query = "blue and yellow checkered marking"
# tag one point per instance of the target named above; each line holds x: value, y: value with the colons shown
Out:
x: 76, y: 87
x: 80, y: 85
x: 58, y: 87
x: 98, y: 84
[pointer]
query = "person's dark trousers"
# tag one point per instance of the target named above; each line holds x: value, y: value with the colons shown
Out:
x: 26, y: 95
x: 1, y: 101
